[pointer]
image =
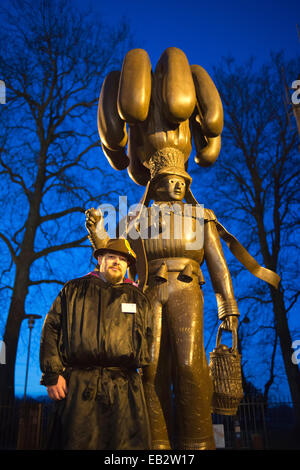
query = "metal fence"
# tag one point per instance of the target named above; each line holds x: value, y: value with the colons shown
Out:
x: 257, y: 425
x: 22, y: 426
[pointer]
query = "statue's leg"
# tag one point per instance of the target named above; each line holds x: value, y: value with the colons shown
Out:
x: 157, y: 381
x: 192, y: 385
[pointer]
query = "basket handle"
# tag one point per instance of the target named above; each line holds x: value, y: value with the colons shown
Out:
x: 234, y: 338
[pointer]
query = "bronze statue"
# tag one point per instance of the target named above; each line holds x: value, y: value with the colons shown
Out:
x: 158, y: 114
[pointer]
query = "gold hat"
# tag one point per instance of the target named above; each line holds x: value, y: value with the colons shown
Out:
x: 119, y: 246
x: 168, y: 161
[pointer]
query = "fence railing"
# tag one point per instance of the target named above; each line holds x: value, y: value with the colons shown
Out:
x: 22, y: 426
x: 257, y: 425
x: 260, y: 425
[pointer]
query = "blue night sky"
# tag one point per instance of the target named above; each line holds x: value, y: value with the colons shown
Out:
x: 205, y: 31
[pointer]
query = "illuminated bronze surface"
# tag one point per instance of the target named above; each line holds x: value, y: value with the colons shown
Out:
x: 157, y: 114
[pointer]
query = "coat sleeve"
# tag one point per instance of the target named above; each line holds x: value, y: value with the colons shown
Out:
x: 50, y: 361
x: 218, y: 269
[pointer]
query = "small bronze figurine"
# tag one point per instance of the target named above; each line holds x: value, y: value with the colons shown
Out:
x: 158, y: 114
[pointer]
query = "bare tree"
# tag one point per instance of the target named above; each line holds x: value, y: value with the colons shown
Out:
x: 53, y: 60
x: 257, y: 192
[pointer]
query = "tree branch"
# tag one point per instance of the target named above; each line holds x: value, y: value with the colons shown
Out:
x: 10, y: 247
x: 57, y: 215
x: 15, y: 178
x: 295, y: 298
x: 257, y: 299
x: 73, y: 163
x: 46, y: 281
x: 63, y: 246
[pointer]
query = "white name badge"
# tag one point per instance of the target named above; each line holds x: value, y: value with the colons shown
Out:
x: 128, y: 308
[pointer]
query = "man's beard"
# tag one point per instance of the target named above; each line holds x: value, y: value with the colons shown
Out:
x: 114, y: 277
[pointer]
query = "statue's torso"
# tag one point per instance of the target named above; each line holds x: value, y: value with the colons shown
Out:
x: 172, y: 230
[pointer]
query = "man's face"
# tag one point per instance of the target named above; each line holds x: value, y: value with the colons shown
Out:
x: 113, y: 266
x: 171, y: 188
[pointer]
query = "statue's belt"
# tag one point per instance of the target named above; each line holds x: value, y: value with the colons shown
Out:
x: 185, y: 267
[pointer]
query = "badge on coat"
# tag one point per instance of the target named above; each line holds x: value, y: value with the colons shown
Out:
x: 128, y: 308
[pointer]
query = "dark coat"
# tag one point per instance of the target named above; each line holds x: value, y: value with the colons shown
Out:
x: 92, y: 338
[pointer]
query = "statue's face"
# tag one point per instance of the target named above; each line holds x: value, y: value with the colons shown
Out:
x: 171, y: 188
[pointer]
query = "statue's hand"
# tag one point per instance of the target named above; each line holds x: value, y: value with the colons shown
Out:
x: 92, y: 218
x: 95, y: 227
x: 230, y: 323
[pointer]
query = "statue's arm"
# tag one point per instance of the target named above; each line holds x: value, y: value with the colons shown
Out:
x: 219, y: 272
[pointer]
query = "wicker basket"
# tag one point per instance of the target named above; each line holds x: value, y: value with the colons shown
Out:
x: 226, y: 375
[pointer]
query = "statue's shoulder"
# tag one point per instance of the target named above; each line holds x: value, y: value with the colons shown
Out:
x: 209, y: 215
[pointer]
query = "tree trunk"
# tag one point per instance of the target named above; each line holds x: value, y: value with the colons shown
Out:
x: 292, y: 370
x: 17, y: 305
x: 11, y: 334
